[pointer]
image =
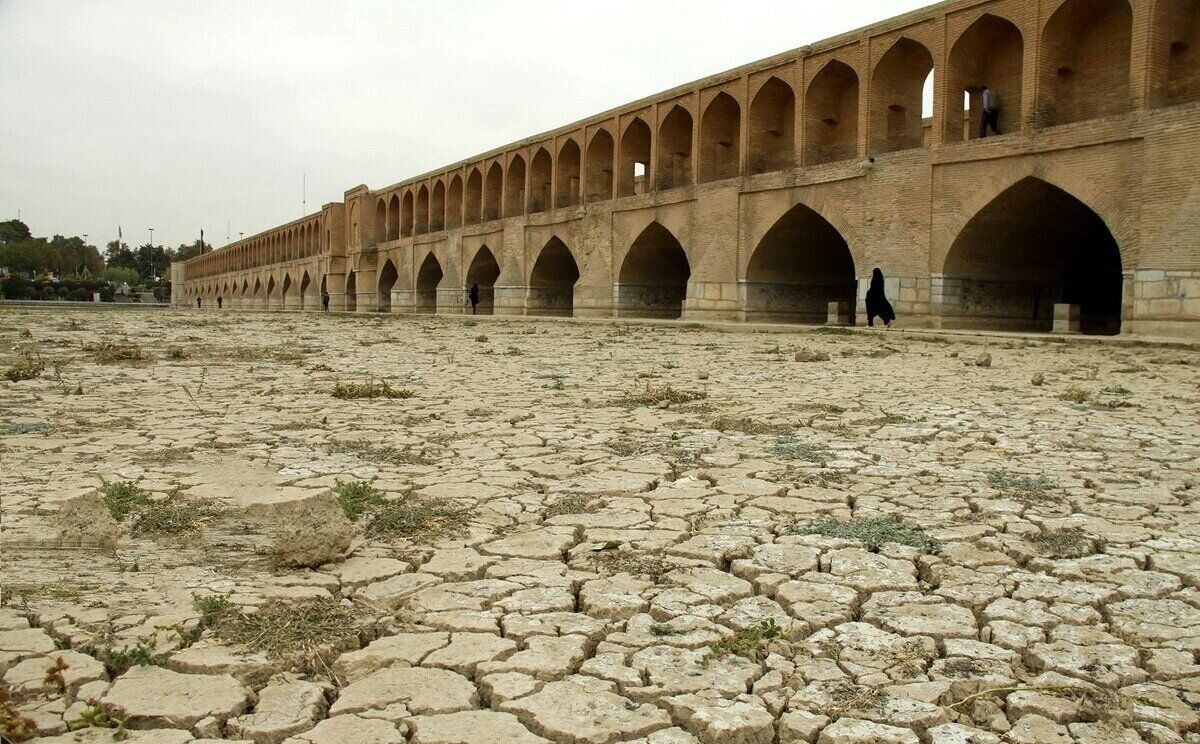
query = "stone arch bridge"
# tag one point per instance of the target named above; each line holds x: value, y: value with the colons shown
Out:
x: 771, y: 191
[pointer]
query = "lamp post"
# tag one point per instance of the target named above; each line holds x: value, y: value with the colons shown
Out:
x: 152, y: 276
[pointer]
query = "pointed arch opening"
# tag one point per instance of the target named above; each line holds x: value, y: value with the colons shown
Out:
x: 635, y: 159
x: 652, y: 282
x: 406, y: 215
x: 306, y: 287
x: 1175, y: 53
x: 351, y: 291
x: 1085, y: 62
x: 897, y: 87
x: 493, y: 191
x: 454, y: 203
x: 772, y: 128
x: 286, y: 292
x: 514, y: 188
x: 1031, y: 247
x: 552, y: 281
x: 675, y: 149
x: 428, y: 278
x: 800, y: 266
x: 540, y: 180
x: 720, y: 139
x: 437, y: 208
x: 271, y: 295
x: 484, y: 271
x: 831, y: 118
x: 422, y: 221
x: 384, y: 286
x: 473, y: 209
x: 380, y: 225
x: 989, y: 53
x: 567, y: 178
x: 393, y: 230
x: 600, y: 167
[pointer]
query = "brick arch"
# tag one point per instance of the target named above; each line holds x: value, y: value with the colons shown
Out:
x: 1034, y: 245
x: 430, y: 275
x: 829, y: 208
x: 653, y: 275
x: 553, y: 275
x: 984, y: 192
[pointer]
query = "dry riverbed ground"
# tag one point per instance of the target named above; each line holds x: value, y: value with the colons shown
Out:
x: 324, y: 529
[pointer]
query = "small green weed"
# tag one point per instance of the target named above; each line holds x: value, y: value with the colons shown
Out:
x: 872, y: 532
x: 1022, y: 487
x: 751, y: 643
x: 666, y: 631
x: 791, y: 448
x: 122, y: 497
x: 1076, y: 395
x: 175, y: 515
x: 98, y: 715
x: 417, y: 519
x: 357, y: 497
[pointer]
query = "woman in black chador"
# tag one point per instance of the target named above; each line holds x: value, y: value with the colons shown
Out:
x: 877, y: 304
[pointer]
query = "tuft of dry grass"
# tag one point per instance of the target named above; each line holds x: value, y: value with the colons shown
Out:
x: 1067, y: 542
x: 811, y: 355
x: 302, y: 634
x: 27, y: 368
x: 417, y: 519
x: 368, y: 390
x: 109, y: 352
x: 575, y: 504
x: 652, y: 395
x: 747, y: 425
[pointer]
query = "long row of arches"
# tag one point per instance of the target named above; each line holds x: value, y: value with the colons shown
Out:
x: 286, y: 244
x: 1083, y: 72
x: 1031, y: 247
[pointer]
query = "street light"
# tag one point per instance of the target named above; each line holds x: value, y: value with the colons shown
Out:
x: 152, y: 276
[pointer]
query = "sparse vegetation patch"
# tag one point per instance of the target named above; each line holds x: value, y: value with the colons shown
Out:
x: 368, y: 390
x: 751, y: 643
x: 652, y: 395
x: 1066, y: 542
x: 357, y: 497
x: 872, y: 532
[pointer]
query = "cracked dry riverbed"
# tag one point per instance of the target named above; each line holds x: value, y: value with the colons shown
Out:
x: 577, y: 532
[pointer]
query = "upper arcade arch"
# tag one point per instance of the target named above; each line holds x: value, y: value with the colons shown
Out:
x: 454, y: 203
x: 600, y: 166
x: 831, y: 115
x: 437, y: 207
x: 541, y: 171
x: 473, y: 200
x: 720, y: 139
x: 772, y: 127
x: 675, y: 149
x: 896, y: 97
x: 635, y: 158
x: 567, y: 179
x: 1085, y: 62
x: 1175, y: 53
x: 514, y: 188
x: 989, y: 52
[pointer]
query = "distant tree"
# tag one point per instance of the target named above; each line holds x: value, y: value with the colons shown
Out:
x: 119, y: 255
x: 186, y: 251
x: 14, y: 230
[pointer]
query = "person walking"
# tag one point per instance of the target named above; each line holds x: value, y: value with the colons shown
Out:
x: 325, y: 301
x: 474, y: 299
x: 198, y: 301
x: 877, y: 303
x: 218, y: 303
x: 991, y: 113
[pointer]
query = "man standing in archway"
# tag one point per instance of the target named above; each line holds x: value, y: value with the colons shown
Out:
x: 325, y: 301
x: 991, y: 113
x: 474, y: 299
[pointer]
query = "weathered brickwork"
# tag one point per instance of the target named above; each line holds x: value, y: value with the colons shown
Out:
x: 770, y: 191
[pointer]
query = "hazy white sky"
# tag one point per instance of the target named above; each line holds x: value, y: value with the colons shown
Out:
x: 179, y: 115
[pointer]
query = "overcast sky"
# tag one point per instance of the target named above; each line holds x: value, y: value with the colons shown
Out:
x: 180, y: 115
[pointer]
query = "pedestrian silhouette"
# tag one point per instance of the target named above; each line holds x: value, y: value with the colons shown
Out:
x: 877, y: 303
x: 991, y: 113
x: 474, y: 298
x: 325, y: 301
